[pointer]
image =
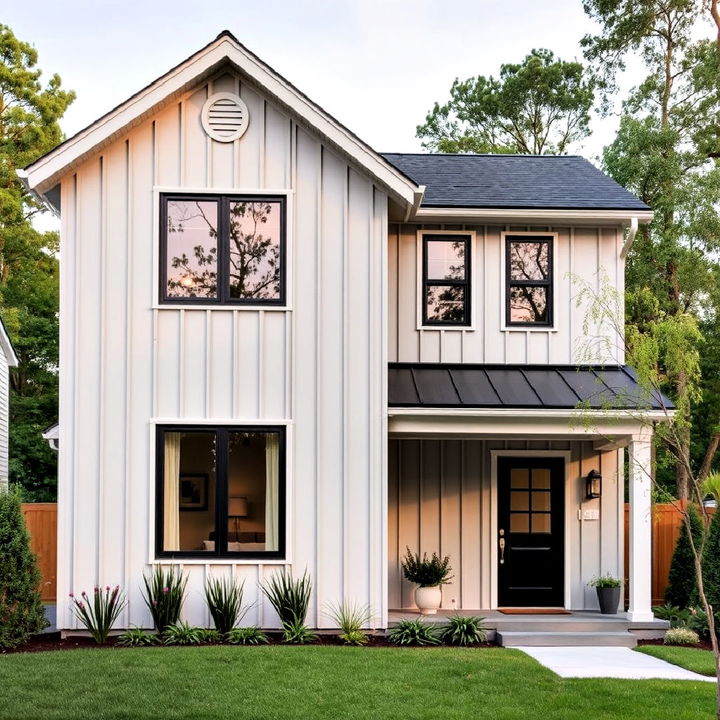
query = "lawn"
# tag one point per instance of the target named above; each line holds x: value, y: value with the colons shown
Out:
x: 699, y: 661
x: 259, y: 683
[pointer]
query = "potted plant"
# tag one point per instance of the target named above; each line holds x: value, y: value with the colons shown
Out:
x: 608, y: 592
x: 428, y: 575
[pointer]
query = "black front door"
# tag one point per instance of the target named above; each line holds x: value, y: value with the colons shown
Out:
x: 530, y: 541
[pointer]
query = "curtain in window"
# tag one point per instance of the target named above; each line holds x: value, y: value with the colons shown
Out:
x: 272, y: 490
x: 171, y: 506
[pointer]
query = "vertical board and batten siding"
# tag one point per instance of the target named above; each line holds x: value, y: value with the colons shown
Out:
x: 439, y: 494
x: 587, y: 255
x: 317, y: 366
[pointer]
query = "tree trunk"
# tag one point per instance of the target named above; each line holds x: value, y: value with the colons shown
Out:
x: 709, y: 456
x: 715, y: 13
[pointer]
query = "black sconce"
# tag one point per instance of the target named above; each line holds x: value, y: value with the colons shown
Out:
x: 593, y: 485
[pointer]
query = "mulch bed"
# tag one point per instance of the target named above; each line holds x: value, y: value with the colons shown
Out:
x: 704, y: 644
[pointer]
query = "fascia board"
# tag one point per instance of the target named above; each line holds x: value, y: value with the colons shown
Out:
x: 455, y: 214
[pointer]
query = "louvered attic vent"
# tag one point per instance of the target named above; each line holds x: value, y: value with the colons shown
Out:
x: 224, y: 117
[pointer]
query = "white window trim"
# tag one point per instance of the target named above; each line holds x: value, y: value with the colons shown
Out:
x: 419, y: 298
x: 289, y: 195
x: 504, y: 327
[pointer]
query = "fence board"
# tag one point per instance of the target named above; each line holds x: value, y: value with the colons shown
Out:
x: 41, y: 521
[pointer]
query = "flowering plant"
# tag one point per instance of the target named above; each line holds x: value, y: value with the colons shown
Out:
x: 164, y: 595
x: 99, y: 613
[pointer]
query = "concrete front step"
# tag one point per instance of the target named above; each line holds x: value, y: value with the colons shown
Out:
x: 539, y: 624
x: 566, y: 639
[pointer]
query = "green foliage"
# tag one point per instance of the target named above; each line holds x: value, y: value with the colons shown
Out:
x: 541, y: 105
x: 682, y: 580
x: 137, y: 637
x: 289, y: 597
x: 351, y: 618
x: 210, y: 635
x: 463, y: 630
x: 182, y: 633
x: 413, y: 632
x: 21, y: 611
x: 691, y: 618
x: 605, y: 581
x: 681, y: 636
x: 424, y: 572
x: 224, y: 600
x: 711, y: 553
x: 296, y: 632
x: 164, y: 595
x: 252, y: 635
x: 99, y: 613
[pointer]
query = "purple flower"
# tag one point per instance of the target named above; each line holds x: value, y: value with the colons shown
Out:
x: 72, y: 595
x: 83, y: 593
x: 97, y: 589
x: 166, y: 590
x: 154, y: 603
x: 107, y: 588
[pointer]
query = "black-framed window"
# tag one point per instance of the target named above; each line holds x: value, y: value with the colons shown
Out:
x: 222, y: 249
x: 529, y: 280
x: 446, y: 279
x: 220, y: 491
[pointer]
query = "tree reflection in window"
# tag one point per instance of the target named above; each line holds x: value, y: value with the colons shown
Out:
x: 529, y: 281
x: 445, y: 281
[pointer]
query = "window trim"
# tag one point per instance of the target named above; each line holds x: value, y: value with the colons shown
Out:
x: 221, y: 519
x: 551, y: 283
x: 423, y: 281
x: 223, y: 198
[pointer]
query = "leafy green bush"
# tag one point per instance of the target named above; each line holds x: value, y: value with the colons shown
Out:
x: 682, y: 580
x: 463, y: 630
x: 21, y: 611
x: 681, y: 636
x: 210, y: 635
x: 137, y: 637
x: 413, y: 632
x: 605, y: 581
x: 351, y: 618
x: 694, y: 619
x: 182, y: 633
x: 711, y: 554
x: 224, y: 599
x: 424, y: 572
x: 99, y: 614
x: 296, y: 632
x: 289, y: 597
x: 252, y: 635
x: 164, y: 595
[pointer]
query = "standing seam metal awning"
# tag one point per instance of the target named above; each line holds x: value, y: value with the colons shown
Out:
x: 519, y: 386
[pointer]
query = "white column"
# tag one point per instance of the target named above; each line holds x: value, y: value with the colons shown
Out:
x: 640, y: 550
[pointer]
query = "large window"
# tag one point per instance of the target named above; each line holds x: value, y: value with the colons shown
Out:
x: 220, y: 492
x: 446, y: 279
x: 529, y: 280
x: 222, y: 249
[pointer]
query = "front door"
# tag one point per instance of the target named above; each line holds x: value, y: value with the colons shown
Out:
x: 531, y: 537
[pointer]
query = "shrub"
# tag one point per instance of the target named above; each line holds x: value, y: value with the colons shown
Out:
x: 694, y: 619
x: 137, y: 637
x: 711, y: 554
x: 21, y: 611
x: 99, y: 614
x: 210, y: 635
x: 289, y: 597
x: 463, y: 630
x: 681, y: 636
x: 224, y: 600
x: 351, y: 618
x: 424, y: 572
x: 296, y: 632
x: 182, y: 633
x: 164, y: 595
x: 682, y: 580
x: 413, y: 632
x: 246, y: 636
x: 605, y: 581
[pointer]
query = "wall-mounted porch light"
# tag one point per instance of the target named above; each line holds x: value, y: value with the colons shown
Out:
x: 593, y: 485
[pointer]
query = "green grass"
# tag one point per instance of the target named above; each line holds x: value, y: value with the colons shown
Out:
x: 325, y: 683
x: 690, y: 658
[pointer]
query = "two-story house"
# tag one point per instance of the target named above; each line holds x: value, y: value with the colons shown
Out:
x: 281, y: 348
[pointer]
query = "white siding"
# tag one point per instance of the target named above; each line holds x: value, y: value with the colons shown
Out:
x: 4, y: 419
x: 316, y: 367
x: 590, y: 254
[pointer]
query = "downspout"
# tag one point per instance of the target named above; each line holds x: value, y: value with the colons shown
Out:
x: 632, y: 232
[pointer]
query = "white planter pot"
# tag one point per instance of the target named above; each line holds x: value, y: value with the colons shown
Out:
x: 428, y: 599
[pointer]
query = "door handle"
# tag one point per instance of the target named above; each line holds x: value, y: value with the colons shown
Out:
x: 501, y: 543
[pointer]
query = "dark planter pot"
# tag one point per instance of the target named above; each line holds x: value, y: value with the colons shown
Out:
x: 609, y: 599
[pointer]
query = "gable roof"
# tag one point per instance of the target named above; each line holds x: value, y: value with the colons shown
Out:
x: 7, y: 347
x: 41, y: 176
x: 561, y: 182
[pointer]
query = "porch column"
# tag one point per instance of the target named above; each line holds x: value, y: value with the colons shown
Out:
x: 640, y: 550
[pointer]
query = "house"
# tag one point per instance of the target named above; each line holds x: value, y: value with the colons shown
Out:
x: 8, y: 359
x: 279, y: 348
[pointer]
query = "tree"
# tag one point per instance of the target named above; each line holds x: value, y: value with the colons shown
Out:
x: 711, y: 551
x: 29, y: 115
x: 682, y: 580
x: 541, y: 105
x: 21, y: 611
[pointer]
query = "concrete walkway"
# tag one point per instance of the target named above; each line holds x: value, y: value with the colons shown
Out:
x: 608, y: 662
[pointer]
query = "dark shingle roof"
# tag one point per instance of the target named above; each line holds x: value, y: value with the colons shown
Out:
x: 519, y: 386
x: 566, y: 182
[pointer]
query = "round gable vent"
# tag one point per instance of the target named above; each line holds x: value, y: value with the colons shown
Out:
x: 224, y: 117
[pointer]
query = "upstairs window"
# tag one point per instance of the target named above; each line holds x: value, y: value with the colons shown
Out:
x: 529, y: 280
x: 446, y: 279
x: 222, y: 249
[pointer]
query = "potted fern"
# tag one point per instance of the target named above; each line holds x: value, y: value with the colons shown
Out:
x: 428, y: 574
x: 608, y: 592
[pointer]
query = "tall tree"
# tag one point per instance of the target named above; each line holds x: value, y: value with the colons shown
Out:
x: 29, y: 115
x: 541, y: 105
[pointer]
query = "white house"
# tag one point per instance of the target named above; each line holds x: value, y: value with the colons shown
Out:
x: 8, y: 359
x: 280, y: 348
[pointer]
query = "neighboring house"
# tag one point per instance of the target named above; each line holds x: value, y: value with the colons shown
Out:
x: 279, y: 348
x: 8, y: 359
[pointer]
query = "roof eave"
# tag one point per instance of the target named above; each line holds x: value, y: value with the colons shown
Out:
x: 577, y: 215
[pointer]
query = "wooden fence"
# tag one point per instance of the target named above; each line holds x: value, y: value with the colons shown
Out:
x: 41, y: 521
